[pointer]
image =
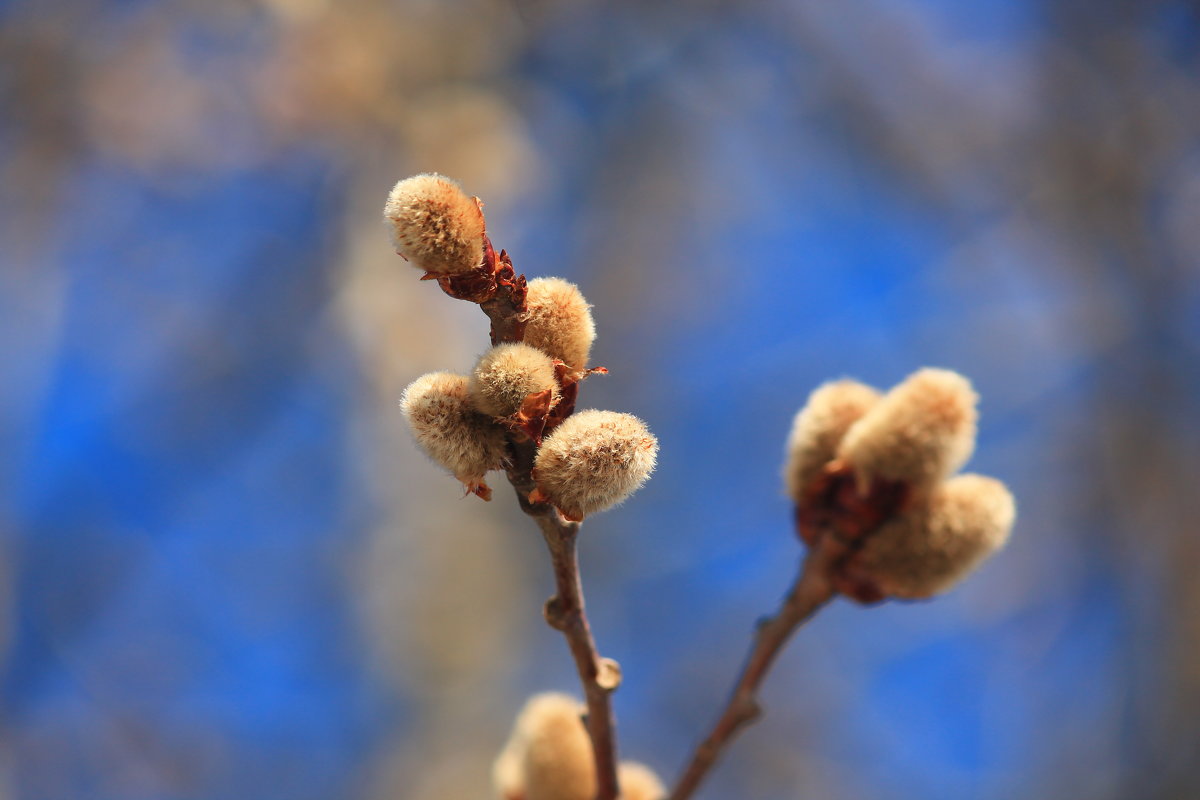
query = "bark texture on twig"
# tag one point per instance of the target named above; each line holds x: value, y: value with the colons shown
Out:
x: 812, y: 589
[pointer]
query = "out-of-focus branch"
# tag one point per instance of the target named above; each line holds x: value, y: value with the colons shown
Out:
x: 812, y: 589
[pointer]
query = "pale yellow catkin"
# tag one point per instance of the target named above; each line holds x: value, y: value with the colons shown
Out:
x: 594, y: 460
x: 508, y: 373
x: 638, y: 782
x: 449, y: 429
x: 508, y: 772
x: 818, y: 430
x: 928, y: 549
x: 558, y: 321
x: 922, y: 431
x: 549, y: 753
x: 548, y: 756
x: 435, y: 225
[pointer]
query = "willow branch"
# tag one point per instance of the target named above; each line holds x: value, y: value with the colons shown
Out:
x: 810, y: 592
x: 505, y: 306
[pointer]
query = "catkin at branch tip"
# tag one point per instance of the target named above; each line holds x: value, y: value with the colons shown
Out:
x: 508, y: 373
x: 818, y: 429
x: 594, y: 460
x: 922, y: 431
x: 638, y: 782
x: 558, y: 321
x: 929, y: 548
x: 548, y: 756
x: 450, y: 430
x: 435, y: 225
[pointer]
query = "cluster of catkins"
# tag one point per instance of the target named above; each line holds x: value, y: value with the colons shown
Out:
x: 549, y: 757
x: 877, y: 473
x: 587, y: 461
x: 872, y: 475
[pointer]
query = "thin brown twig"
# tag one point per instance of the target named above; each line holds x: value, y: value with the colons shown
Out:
x: 599, y: 676
x: 812, y: 589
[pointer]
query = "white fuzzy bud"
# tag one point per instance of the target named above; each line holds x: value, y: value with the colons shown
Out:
x: 921, y: 432
x: 638, y: 782
x: 507, y: 374
x: 818, y: 430
x: 449, y: 429
x: 931, y: 547
x: 594, y: 460
x: 549, y: 754
x: 558, y: 321
x: 435, y: 225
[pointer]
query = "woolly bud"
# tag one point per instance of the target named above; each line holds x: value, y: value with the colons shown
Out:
x: 507, y: 374
x: 549, y: 754
x: 435, y: 225
x: 508, y: 771
x: 594, y: 460
x: 819, y: 427
x: 559, y: 321
x: 638, y: 782
x: 928, y: 549
x: 449, y: 429
x: 919, y: 433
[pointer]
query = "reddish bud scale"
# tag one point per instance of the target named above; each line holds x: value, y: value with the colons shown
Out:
x: 834, y: 505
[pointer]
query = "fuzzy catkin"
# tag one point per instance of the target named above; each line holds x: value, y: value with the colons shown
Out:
x: 594, y: 460
x: 922, y: 431
x: 548, y: 756
x: 929, y: 548
x: 638, y: 782
x: 549, y: 753
x: 435, y: 225
x: 450, y: 430
x: 818, y: 430
x: 508, y: 373
x: 558, y: 321
x: 508, y: 771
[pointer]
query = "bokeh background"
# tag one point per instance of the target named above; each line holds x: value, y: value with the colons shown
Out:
x: 227, y: 572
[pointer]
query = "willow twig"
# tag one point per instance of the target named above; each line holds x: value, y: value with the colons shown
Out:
x: 810, y: 592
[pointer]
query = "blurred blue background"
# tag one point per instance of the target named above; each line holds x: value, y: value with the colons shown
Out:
x: 228, y: 573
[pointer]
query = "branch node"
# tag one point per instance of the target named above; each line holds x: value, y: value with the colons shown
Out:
x: 608, y: 674
x: 555, y: 613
